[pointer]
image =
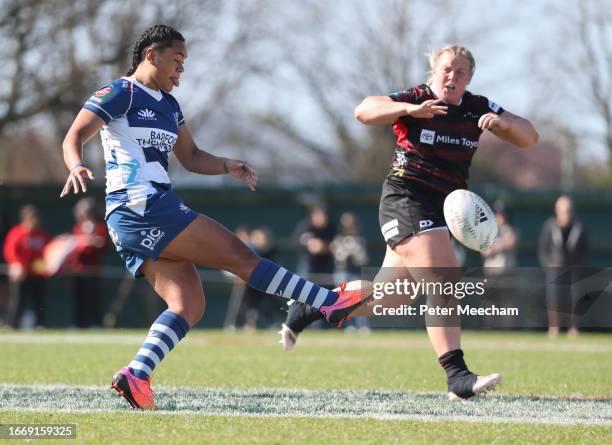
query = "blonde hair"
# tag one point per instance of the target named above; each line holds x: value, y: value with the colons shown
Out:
x: 453, y: 49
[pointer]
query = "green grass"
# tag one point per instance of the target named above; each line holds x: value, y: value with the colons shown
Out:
x: 385, y: 361
x: 325, y: 360
x: 142, y: 428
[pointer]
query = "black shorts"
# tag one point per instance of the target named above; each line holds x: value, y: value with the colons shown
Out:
x: 407, y: 208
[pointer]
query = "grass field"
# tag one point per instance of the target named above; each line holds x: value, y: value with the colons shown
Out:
x: 333, y: 388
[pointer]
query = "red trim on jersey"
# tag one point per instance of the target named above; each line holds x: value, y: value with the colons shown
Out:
x: 401, y: 131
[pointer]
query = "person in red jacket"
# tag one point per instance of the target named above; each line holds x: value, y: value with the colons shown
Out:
x: 91, y: 242
x: 23, y: 251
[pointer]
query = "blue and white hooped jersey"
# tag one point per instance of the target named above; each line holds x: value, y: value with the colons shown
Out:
x: 141, y: 128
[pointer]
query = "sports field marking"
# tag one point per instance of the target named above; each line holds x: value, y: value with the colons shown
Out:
x: 492, y: 345
x: 311, y: 403
x: 306, y: 342
x: 72, y: 339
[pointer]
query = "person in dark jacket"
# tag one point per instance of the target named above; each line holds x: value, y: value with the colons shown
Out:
x: 563, y: 245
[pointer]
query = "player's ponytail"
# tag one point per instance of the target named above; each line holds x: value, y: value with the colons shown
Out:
x: 158, y: 36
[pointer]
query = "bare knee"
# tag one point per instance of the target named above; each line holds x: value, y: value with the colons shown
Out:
x: 243, y: 264
x: 192, y: 310
x: 429, y: 249
x: 179, y: 285
x: 195, y: 313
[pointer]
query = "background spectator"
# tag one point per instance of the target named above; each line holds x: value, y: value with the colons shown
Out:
x: 350, y: 255
x: 248, y: 307
x: 315, y: 236
x: 563, y: 245
x: 499, y: 266
x: 4, y: 228
x: 234, y: 306
x: 23, y: 251
x: 258, y: 307
x: 349, y: 249
x: 501, y: 258
x: 91, y: 242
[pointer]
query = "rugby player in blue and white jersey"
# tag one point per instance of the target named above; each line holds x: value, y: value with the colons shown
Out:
x: 438, y: 126
x: 155, y: 233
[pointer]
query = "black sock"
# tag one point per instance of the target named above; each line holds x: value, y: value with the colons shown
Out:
x: 453, y: 363
x: 460, y: 379
x: 300, y: 316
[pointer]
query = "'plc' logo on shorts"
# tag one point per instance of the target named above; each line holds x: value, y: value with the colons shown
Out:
x: 428, y: 136
x: 151, y: 238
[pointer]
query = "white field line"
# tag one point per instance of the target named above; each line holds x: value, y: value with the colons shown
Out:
x: 381, y: 405
x: 304, y: 341
x: 509, y: 345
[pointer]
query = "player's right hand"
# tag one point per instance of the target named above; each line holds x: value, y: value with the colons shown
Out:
x: 76, y: 180
x: 428, y: 109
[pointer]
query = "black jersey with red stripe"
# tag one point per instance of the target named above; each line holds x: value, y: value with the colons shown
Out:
x: 438, y: 151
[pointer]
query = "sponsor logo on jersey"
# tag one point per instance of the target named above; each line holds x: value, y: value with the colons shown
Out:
x: 427, y: 136
x: 151, y: 238
x: 103, y: 92
x: 468, y: 143
x: 493, y: 106
x: 183, y: 208
x: 425, y: 223
x: 162, y: 140
x: 146, y: 114
x: 176, y: 117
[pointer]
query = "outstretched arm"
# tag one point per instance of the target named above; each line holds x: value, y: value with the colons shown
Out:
x: 199, y: 161
x: 374, y: 110
x: 84, y: 127
x: 510, y: 128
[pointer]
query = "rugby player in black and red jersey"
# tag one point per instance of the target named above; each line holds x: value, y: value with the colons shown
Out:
x: 438, y: 125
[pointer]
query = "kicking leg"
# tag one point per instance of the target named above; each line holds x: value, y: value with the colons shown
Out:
x: 208, y: 243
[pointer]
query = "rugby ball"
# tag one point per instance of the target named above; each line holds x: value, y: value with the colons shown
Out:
x: 470, y: 219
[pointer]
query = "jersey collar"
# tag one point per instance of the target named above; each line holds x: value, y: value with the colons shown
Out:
x: 438, y: 97
x: 157, y: 95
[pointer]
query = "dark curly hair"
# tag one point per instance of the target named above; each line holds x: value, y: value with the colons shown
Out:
x: 160, y: 36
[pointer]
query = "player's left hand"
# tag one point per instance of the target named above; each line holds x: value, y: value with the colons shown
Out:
x: 242, y: 171
x: 492, y: 121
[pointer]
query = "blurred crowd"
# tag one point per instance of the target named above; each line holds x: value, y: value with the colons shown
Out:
x: 329, y: 254
x: 32, y: 255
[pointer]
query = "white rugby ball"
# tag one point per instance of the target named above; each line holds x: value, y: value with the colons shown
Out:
x: 470, y: 220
